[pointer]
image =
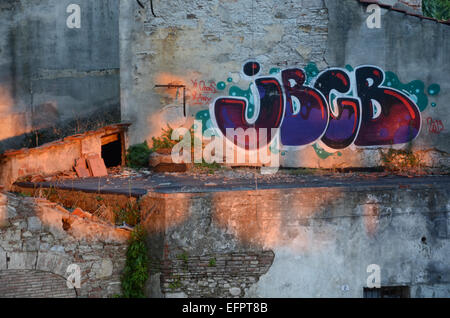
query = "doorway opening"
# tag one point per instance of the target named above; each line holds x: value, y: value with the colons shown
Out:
x: 113, y: 150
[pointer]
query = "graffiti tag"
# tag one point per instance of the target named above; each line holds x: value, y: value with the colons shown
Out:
x: 434, y: 126
x: 201, y: 91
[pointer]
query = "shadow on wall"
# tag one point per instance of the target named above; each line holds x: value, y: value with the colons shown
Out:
x: 265, y: 219
x: 11, y: 123
x: 46, y: 126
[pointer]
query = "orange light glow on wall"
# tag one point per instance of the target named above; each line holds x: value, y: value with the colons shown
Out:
x: 11, y: 123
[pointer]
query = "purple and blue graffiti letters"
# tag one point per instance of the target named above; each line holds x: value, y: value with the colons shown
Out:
x: 388, y: 116
x: 306, y: 115
x: 340, y: 108
x: 345, y: 112
x: 230, y: 112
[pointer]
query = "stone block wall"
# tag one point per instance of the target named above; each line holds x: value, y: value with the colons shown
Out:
x: 33, y: 284
x: 41, y: 239
x: 217, y: 275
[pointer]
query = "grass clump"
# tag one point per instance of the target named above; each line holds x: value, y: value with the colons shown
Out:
x: 402, y: 161
x: 183, y: 257
x: 130, y: 214
x: 165, y: 140
x: 176, y: 284
x: 208, y: 167
x: 138, y: 155
x: 212, y: 262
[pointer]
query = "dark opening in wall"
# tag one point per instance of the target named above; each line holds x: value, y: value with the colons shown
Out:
x: 387, y: 292
x: 112, y: 150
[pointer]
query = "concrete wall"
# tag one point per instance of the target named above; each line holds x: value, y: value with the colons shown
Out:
x: 323, y: 240
x: 204, y: 44
x: 412, y: 48
x: 55, y: 79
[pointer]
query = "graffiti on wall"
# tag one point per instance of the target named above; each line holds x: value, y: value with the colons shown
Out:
x: 333, y: 109
x: 435, y: 126
x: 202, y: 91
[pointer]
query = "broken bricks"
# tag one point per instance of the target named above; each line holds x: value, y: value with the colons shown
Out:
x: 96, y: 165
x: 82, y: 214
x: 81, y: 168
x: 90, y: 166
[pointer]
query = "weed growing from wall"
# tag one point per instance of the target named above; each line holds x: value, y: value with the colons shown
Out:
x: 176, y: 284
x: 130, y: 214
x: 138, y: 155
x: 165, y: 140
x: 208, y: 167
x: 135, y: 273
x: 402, y: 161
x: 212, y: 262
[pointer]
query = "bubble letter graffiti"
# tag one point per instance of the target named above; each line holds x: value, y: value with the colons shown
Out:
x: 306, y: 116
x: 388, y: 116
x: 345, y: 112
x: 230, y: 112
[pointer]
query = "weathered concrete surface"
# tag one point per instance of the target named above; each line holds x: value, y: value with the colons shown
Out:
x: 404, y: 232
x: 55, y: 77
x: 204, y: 42
x: 140, y: 184
x: 411, y: 47
x: 323, y: 240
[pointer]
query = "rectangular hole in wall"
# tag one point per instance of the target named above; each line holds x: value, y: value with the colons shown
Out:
x: 112, y: 150
x: 387, y: 292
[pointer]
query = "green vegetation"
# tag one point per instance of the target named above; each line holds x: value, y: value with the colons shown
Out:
x: 47, y: 193
x: 130, y: 214
x: 438, y: 9
x: 183, y: 257
x: 212, y: 262
x: 24, y: 194
x: 135, y: 274
x: 165, y: 140
x: 138, y: 155
x: 208, y: 167
x: 175, y: 284
x: 401, y: 160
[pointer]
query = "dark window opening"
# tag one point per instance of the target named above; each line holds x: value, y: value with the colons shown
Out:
x: 112, y: 150
x: 387, y: 292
